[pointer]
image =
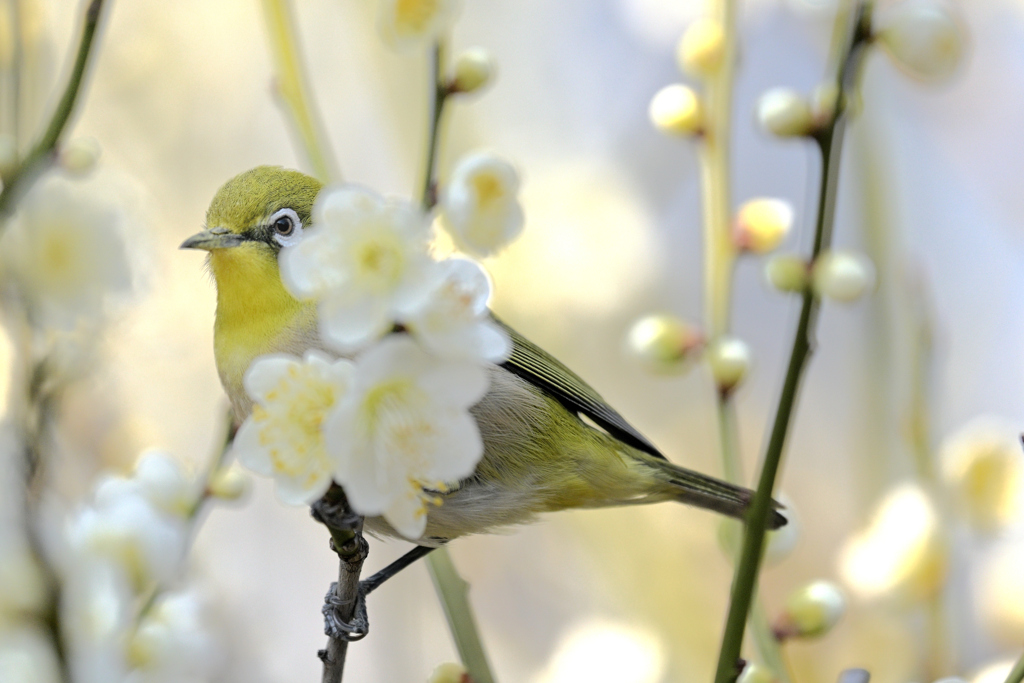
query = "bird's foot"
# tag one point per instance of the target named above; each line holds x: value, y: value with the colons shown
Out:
x: 336, y: 626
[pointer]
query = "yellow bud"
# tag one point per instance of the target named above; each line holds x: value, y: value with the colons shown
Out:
x: 787, y: 273
x: 79, y: 156
x: 983, y: 465
x: 701, y: 48
x: 755, y: 673
x: 677, y: 110
x: 811, y: 611
x: 663, y: 343
x: 730, y: 360
x: 923, y: 38
x: 842, y: 276
x: 229, y: 483
x: 449, y: 672
x: 903, y: 551
x: 785, y: 113
x: 474, y: 69
x: 761, y: 224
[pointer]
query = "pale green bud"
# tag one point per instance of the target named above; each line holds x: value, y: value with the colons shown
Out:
x: 923, y: 38
x: 79, y: 156
x: 811, y: 611
x: 701, y: 48
x: 474, y: 69
x: 785, y: 113
x: 449, y: 672
x: 730, y: 360
x: 677, y: 110
x: 755, y: 673
x: 229, y: 483
x: 663, y: 343
x: 788, y: 273
x: 842, y: 275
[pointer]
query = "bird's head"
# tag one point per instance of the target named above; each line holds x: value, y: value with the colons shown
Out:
x: 251, y: 218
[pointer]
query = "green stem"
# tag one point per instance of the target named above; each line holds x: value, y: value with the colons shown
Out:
x: 428, y: 194
x: 41, y: 155
x: 1017, y: 672
x: 291, y: 86
x: 454, y: 594
x: 830, y: 142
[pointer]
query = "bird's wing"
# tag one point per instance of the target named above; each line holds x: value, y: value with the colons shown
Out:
x: 545, y: 372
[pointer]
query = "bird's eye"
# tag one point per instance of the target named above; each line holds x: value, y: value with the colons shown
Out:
x: 283, y: 226
x: 286, y: 226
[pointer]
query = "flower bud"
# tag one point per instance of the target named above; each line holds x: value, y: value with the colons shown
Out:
x: 677, y: 110
x: 755, y: 673
x: 730, y: 360
x: 983, y: 466
x: 785, y: 113
x: 842, y: 275
x: 811, y: 611
x: 788, y: 273
x: 229, y: 483
x: 761, y: 224
x: 923, y: 38
x: 79, y: 156
x: 474, y: 69
x: 663, y: 343
x: 701, y: 48
x: 902, y: 553
x: 449, y: 672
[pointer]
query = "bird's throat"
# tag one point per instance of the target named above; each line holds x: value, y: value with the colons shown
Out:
x: 255, y: 313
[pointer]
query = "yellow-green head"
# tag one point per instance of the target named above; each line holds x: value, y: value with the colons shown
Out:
x: 251, y: 218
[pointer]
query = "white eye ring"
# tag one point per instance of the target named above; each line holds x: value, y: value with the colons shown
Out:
x: 286, y: 226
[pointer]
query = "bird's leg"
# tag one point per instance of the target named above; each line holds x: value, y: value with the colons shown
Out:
x: 367, y: 586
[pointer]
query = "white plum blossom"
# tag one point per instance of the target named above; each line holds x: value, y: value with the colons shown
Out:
x: 27, y: 655
x: 65, y: 254
x: 366, y: 262
x: 172, y: 642
x: 125, y: 528
x: 97, y: 605
x: 455, y: 323
x: 404, y: 426
x: 282, y: 438
x: 480, y: 205
x: 411, y: 23
x: 158, y: 478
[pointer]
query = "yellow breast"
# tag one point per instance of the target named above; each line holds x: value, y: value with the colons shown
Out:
x: 255, y: 315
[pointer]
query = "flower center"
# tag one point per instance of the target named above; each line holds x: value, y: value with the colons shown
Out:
x: 415, y: 15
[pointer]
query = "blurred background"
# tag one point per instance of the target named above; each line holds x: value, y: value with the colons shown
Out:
x: 180, y: 100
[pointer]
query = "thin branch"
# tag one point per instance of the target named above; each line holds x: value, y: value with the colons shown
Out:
x: 453, y: 591
x: 830, y: 142
x: 347, y: 540
x: 42, y: 154
x: 1016, y: 674
x: 292, y: 90
x: 441, y: 91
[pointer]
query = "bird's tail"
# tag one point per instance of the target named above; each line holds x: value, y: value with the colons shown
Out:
x: 700, y: 490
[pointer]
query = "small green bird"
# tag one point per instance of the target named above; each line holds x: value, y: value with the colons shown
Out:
x: 550, y: 441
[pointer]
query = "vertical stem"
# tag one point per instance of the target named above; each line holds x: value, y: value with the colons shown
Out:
x: 1017, y: 672
x: 454, y: 594
x: 439, y: 95
x: 830, y: 142
x: 292, y: 89
x: 719, y: 252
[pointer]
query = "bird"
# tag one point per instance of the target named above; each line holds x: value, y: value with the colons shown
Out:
x: 550, y: 441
